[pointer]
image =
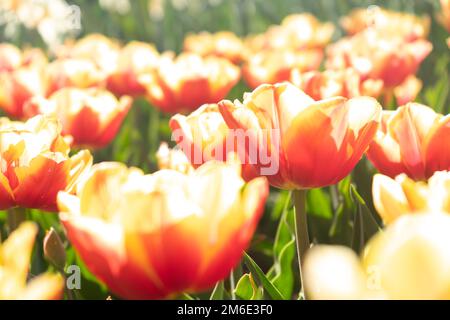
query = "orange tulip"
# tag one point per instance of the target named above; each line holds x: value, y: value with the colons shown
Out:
x: 184, y: 83
x: 314, y: 34
x: 273, y: 66
x: 18, y: 86
x: 331, y: 83
x: 78, y: 73
x: 35, y: 163
x: 15, y: 254
x: 394, y: 198
x: 91, y: 117
x: 409, y: 26
x: 412, y: 140
x: 155, y: 236
x: 135, y: 59
x: 203, y: 135
x: 300, y: 135
x: 376, y: 55
x: 223, y: 44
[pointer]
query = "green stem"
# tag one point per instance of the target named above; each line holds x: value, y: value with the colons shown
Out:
x: 15, y: 217
x: 301, y: 231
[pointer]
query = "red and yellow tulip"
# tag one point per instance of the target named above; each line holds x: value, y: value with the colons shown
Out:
x: 91, y: 117
x: 412, y: 140
x: 15, y: 255
x: 184, y: 83
x: 300, y: 135
x: 155, y: 236
x: 35, y: 163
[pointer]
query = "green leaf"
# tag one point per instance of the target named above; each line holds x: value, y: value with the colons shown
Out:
x: 246, y: 288
x: 217, y: 293
x: 271, y: 290
x: 284, y: 280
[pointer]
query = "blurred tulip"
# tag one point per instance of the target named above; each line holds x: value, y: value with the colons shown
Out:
x: 301, y: 135
x: 408, y: 260
x: 408, y: 26
x: 54, y: 250
x: 173, y: 159
x: 96, y: 47
x: 184, y: 83
x: 18, y: 86
x: 78, y: 73
x: 297, y: 31
x: 273, y: 66
x: 412, y: 140
x: 135, y: 59
x: 35, y: 163
x: 377, y: 55
x: 15, y: 255
x: 203, y: 135
x: 156, y: 236
x: 331, y: 83
x: 223, y: 44
x: 394, y: 198
x: 91, y: 117
x: 12, y: 58
x: 444, y: 15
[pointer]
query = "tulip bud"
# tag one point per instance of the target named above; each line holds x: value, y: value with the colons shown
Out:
x: 54, y: 250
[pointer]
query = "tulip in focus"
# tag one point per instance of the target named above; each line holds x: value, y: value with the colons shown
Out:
x: 135, y: 59
x: 184, y: 83
x: 35, y: 164
x: 394, y: 198
x: 331, y: 83
x: 414, y: 140
x: 91, y: 117
x: 15, y: 255
x: 156, y: 236
x: 273, y: 66
x: 223, y: 44
x: 303, y: 134
x: 408, y: 260
x: 203, y: 135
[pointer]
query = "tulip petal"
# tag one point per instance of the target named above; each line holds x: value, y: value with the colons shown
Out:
x: 437, y: 158
x: 6, y: 194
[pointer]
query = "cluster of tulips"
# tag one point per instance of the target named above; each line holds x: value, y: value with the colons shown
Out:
x: 186, y: 226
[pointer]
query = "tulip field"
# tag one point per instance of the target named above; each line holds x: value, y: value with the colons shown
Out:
x: 224, y: 149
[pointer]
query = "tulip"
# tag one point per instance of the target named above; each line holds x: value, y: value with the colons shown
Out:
x: 408, y: 260
x: 444, y: 15
x: 96, y: 47
x: 203, y: 135
x: 18, y: 86
x: 11, y: 58
x: 394, y: 198
x: 78, y: 73
x: 221, y: 44
x: 409, y: 26
x: 313, y: 35
x: 35, y: 164
x: 412, y: 140
x: 188, y: 81
x: 331, y: 83
x: 91, y: 117
x: 156, y: 236
x: 376, y: 55
x: 272, y: 66
x: 15, y: 254
x: 301, y: 135
x: 135, y: 59
x: 173, y: 159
